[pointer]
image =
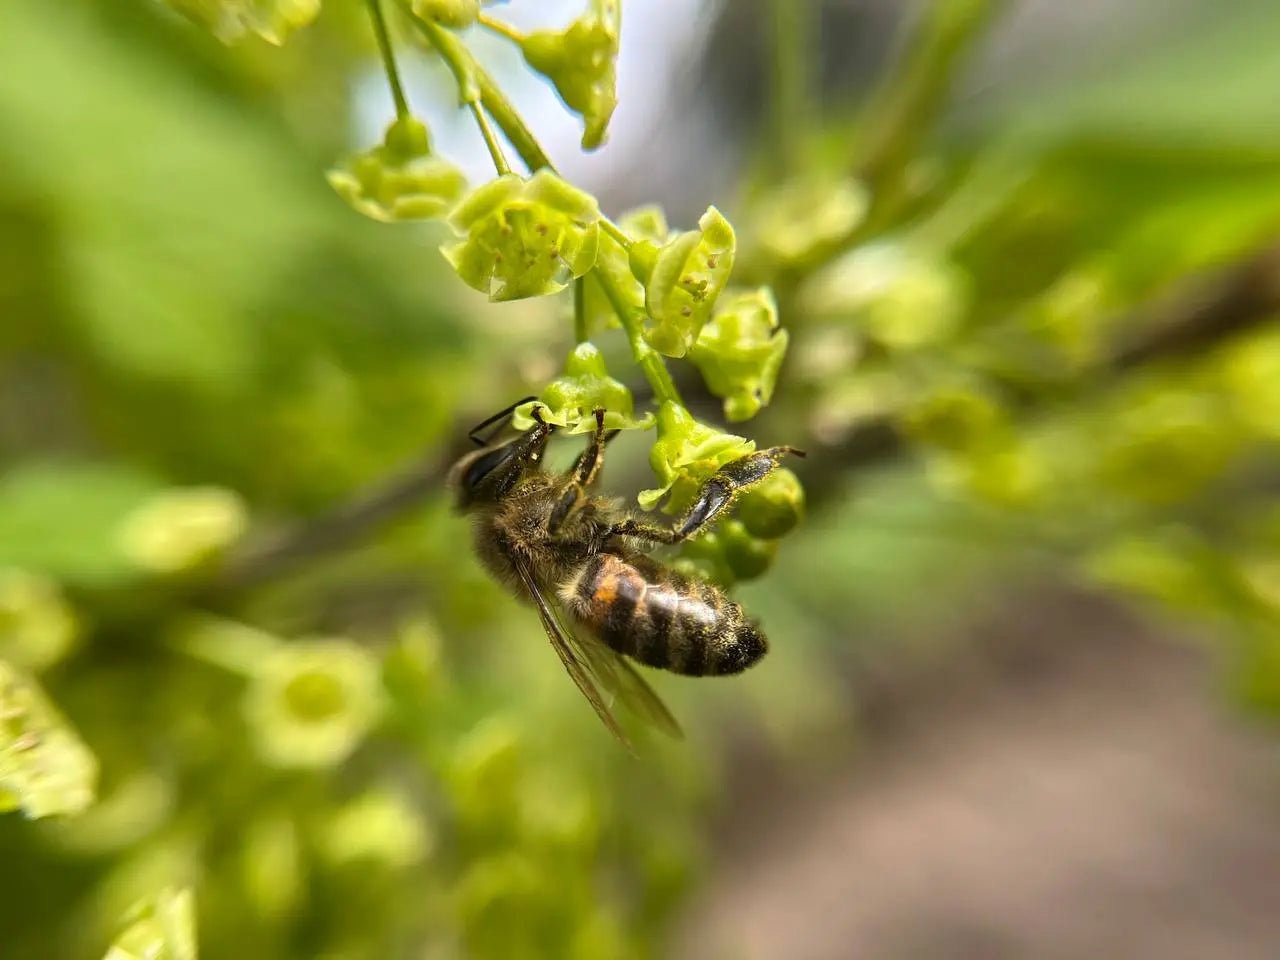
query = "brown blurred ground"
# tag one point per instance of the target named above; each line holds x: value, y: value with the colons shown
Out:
x: 1073, y: 791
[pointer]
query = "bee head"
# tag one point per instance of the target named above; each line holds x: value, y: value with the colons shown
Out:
x: 486, y: 476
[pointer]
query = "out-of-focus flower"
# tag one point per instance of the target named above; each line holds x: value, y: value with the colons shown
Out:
x: 231, y: 20
x: 450, y: 13
x: 379, y: 826
x: 45, y: 769
x: 524, y: 237
x: 182, y: 528
x: 400, y: 178
x: 581, y: 62
x: 312, y: 701
x: 162, y: 927
x: 37, y: 625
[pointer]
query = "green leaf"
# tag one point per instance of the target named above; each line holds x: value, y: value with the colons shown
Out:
x: 63, y: 520
x: 45, y: 769
x: 162, y: 927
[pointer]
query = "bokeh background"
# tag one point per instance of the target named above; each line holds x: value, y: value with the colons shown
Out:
x: 1026, y: 645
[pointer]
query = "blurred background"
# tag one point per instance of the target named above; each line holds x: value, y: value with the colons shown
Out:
x: 1025, y: 662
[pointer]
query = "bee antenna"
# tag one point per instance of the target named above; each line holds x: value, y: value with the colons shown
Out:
x: 500, y: 415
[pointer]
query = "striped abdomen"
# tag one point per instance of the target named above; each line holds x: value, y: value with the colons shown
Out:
x: 662, y: 618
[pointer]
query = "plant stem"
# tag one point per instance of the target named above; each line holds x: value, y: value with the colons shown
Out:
x: 500, y: 28
x: 388, y: 58
x: 790, y: 102
x: 615, y: 231
x: 647, y: 359
x: 490, y: 140
x: 473, y: 81
x: 580, y: 310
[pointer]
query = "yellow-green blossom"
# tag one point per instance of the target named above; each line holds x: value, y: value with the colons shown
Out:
x: 571, y: 399
x: 400, y: 178
x: 740, y: 352
x: 687, y: 453
x: 182, y: 528
x: 524, y: 237
x: 581, y: 61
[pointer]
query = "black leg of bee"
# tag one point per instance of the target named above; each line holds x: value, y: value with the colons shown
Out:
x: 583, y: 474
x: 714, y: 496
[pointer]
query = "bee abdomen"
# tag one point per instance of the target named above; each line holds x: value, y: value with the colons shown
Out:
x: 663, y: 619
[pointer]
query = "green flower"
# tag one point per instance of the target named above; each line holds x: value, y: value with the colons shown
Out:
x: 312, y: 702
x: 162, y: 927
x: 182, y: 528
x: 230, y: 20
x: 643, y: 223
x: 740, y: 351
x: 686, y: 454
x: 45, y: 769
x: 381, y: 826
x: 400, y: 179
x: 807, y: 219
x: 581, y: 62
x: 524, y: 238
x: 450, y: 13
x: 37, y: 626
x: 682, y: 279
x: 571, y: 399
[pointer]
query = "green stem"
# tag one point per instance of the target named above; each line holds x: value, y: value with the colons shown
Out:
x: 791, y: 102
x: 580, y: 310
x: 647, y: 359
x: 474, y: 82
x: 615, y: 231
x: 500, y: 28
x: 388, y: 58
x: 490, y: 140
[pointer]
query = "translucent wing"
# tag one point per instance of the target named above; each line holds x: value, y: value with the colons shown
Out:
x: 621, y: 679
x: 573, y: 664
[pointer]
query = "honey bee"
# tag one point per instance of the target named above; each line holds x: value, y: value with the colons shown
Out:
x: 580, y: 560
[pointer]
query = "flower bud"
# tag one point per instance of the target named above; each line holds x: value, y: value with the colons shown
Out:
x: 524, y: 238
x: 748, y: 556
x: 400, y: 179
x: 772, y: 507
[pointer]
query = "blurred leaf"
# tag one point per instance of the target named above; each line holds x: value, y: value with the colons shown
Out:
x: 63, y: 519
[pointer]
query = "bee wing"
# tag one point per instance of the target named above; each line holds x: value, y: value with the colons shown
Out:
x: 625, y: 682
x: 567, y: 649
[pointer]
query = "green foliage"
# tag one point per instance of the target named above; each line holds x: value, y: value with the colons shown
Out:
x: 373, y: 754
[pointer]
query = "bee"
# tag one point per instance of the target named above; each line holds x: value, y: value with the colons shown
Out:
x: 581, y: 561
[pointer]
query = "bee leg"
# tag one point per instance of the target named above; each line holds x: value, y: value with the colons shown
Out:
x: 583, y: 474
x: 713, y: 497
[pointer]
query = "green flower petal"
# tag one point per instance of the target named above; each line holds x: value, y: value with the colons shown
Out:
x: 685, y: 278
x: 685, y: 455
x: 740, y: 352
x: 524, y: 238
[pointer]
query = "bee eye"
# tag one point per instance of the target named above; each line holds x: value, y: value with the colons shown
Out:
x: 485, y: 464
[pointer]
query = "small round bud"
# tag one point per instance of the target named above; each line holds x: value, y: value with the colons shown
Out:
x: 773, y: 506
x: 450, y: 13
x: 748, y: 556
